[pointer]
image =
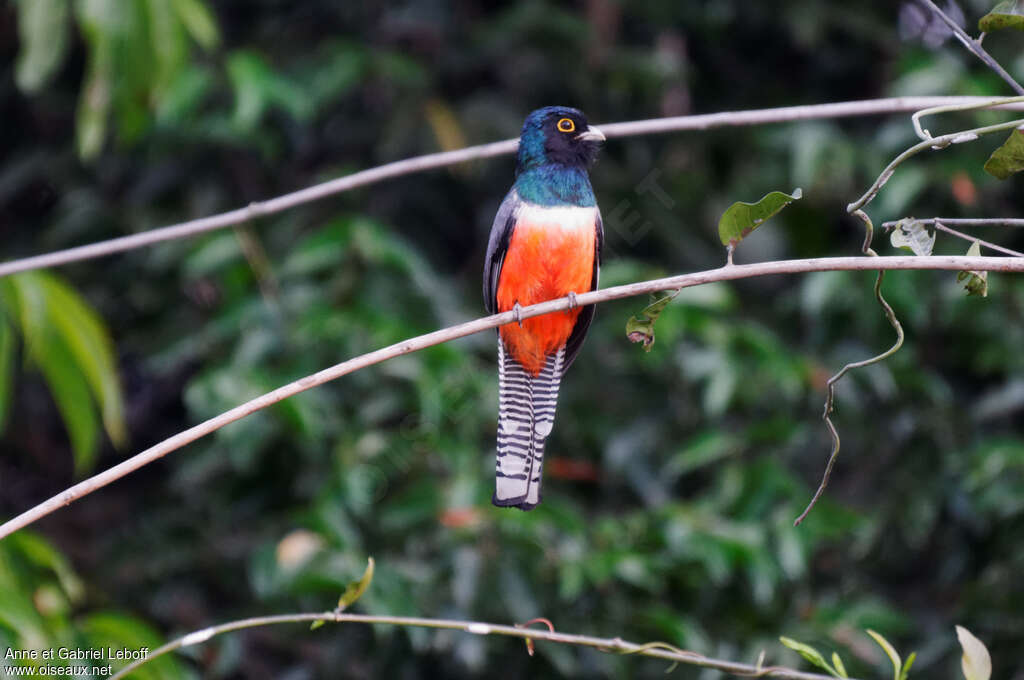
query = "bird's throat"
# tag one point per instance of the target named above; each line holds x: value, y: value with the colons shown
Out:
x: 555, y: 185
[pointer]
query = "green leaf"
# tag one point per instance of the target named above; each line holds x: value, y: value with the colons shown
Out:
x: 906, y: 667
x: 740, y: 219
x: 811, y: 654
x: 6, y: 369
x: 316, y: 624
x: 43, y: 38
x: 839, y: 666
x: 258, y: 87
x: 17, y: 610
x: 167, y: 41
x: 1007, y: 14
x: 87, y: 338
x: 71, y: 394
x: 1008, y: 159
x: 94, y: 103
x: 976, y: 662
x: 890, y: 651
x: 184, y: 95
x: 198, y: 21
x: 977, y: 282
x: 912, y: 235
x: 110, y: 629
x: 27, y: 304
x: 46, y: 349
x: 640, y: 328
x: 355, y: 589
x: 69, y: 344
x: 118, y: 60
x: 41, y: 553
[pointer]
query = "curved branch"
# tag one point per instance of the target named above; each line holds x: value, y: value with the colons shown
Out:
x: 935, y: 143
x: 657, y: 650
x: 922, y: 133
x: 890, y: 315
x: 728, y: 273
x: 440, y: 160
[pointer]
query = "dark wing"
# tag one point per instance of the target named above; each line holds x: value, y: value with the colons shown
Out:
x: 579, y: 331
x: 497, y: 246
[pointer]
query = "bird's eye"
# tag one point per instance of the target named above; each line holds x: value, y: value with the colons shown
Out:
x: 566, y: 125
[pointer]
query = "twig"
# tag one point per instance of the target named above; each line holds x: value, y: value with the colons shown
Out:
x: 967, y: 237
x: 939, y: 223
x: 440, y: 160
x: 733, y: 272
x: 658, y: 650
x: 529, y: 641
x: 935, y: 143
x: 932, y: 110
x: 964, y: 221
x: 975, y: 47
x: 890, y: 315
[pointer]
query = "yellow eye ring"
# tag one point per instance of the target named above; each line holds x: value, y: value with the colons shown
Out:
x: 566, y: 125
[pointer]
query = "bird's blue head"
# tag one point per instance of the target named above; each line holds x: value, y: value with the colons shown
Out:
x: 555, y: 149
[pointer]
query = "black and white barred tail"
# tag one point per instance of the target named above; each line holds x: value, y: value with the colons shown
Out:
x: 526, y: 415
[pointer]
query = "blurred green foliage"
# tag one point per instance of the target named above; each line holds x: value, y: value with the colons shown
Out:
x: 136, y: 54
x: 672, y: 477
x: 64, y: 339
x: 39, y: 596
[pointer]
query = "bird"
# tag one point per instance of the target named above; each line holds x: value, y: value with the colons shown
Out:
x: 545, y: 243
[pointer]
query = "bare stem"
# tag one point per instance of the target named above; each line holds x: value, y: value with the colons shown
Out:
x: 363, y: 178
x: 975, y: 47
x: 728, y: 273
x: 935, y: 143
x: 941, y: 223
x: 890, y: 315
x: 657, y: 650
x: 932, y: 110
x: 964, y: 221
x: 987, y: 244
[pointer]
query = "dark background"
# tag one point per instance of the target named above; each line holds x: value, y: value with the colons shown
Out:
x: 672, y: 477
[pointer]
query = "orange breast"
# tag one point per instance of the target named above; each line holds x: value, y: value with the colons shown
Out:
x: 550, y: 254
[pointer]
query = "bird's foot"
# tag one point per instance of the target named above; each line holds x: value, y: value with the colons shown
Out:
x: 572, y: 301
x: 517, y: 314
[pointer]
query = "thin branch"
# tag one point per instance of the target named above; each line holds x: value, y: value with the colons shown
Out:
x: 732, y: 272
x: 789, y: 114
x: 939, y: 223
x: 657, y: 650
x: 935, y: 143
x: 259, y: 208
x: 932, y: 110
x: 975, y: 47
x: 967, y: 237
x: 964, y: 221
x: 440, y: 160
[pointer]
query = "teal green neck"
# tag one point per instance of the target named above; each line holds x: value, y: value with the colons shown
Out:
x: 553, y: 184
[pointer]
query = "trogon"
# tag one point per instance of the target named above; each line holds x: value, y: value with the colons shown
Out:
x: 545, y: 243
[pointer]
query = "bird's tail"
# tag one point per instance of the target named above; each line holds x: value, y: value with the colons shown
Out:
x: 526, y: 414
